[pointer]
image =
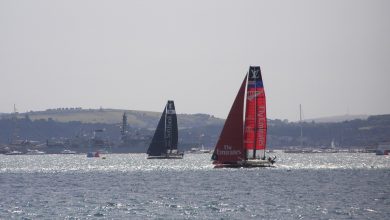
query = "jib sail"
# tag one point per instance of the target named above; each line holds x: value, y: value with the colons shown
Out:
x: 229, y: 148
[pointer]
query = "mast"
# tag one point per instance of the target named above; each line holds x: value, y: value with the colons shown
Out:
x: 171, y: 129
x: 255, y: 128
x: 15, y: 126
x: 165, y: 129
x: 300, y: 123
x: 244, y: 115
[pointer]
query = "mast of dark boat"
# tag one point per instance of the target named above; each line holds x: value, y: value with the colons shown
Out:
x: 165, y: 131
x: 168, y: 145
x: 15, y: 126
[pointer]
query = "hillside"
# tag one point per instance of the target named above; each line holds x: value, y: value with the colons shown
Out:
x: 138, y: 119
x: 194, y: 129
x: 75, y: 126
x: 353, y: 133
x: 338, y: 118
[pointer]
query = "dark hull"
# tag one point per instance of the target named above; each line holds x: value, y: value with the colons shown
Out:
x: 170, y: 156
x: 246, y: 164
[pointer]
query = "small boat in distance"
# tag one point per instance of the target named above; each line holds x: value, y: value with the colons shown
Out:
x: 93, y: 154
x: 34, y: 152
x: 242, y: 142
x: 165, y: 138
x: 14, y: 152
x: 202, y: 150
x: 383, y: 148
x: 66, y: 151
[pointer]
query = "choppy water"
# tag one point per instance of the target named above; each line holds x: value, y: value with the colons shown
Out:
x: 302, y: 186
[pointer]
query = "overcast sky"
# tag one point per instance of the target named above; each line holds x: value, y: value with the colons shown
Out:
x: 333, y: 57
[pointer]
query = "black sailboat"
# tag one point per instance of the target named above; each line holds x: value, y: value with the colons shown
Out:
x: 165, y: 138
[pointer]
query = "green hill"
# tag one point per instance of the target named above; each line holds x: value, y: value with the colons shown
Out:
x: 139, y: 119
x: 194, y: 128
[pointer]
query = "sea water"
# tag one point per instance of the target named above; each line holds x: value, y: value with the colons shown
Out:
x: 128, y: 186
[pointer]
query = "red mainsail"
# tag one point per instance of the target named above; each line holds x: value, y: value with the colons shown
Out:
x: 255, y: 129
x: 229, y: 148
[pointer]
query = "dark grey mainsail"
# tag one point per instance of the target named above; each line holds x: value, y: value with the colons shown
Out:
x: 171, y: 130
x: 165, y: 138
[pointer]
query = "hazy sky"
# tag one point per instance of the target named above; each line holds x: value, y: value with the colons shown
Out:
x: 333, y: 57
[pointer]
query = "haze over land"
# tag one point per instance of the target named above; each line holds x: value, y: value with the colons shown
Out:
x: 330, y: 56
x: 70, y: 125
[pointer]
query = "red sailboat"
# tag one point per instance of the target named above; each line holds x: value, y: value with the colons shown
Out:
x: 242, y: 142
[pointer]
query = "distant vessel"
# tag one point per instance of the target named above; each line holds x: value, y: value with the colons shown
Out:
x: 66, y: 151
x: 34, y: 152
x: 242, y: 142
x: 97, y: 142
x: 300, y: 149
x: 165, y: 138
x: 14, y: 152
x: 196, y: 150
x: 383, y: 148
x: 93, y: 154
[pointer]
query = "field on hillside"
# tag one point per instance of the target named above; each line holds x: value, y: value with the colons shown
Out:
x: 139, y: 119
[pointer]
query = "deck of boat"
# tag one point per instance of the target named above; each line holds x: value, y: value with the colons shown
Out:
x: 169, y: 156
x: 246, y: 164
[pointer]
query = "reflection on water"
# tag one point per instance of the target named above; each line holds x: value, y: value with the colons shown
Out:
x: 128, y: 186
x: 138, y: 162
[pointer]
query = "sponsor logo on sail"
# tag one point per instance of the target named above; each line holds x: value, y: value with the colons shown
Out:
x: 253, y: 94
x: 228, y: 151
x: 171, y: 112
x: 255, y: 73
x: 169, y: 127
x: 170, y: 108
